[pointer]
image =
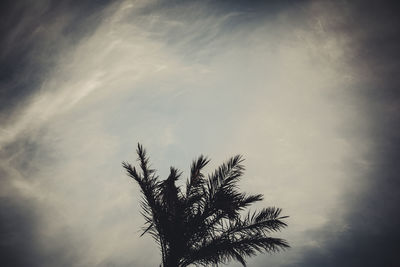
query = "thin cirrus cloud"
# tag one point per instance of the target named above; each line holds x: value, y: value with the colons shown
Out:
x: 273, y: 82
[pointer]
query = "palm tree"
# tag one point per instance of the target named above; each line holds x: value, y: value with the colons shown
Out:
x: 202, y: 225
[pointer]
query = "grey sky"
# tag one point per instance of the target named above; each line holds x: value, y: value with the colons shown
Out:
x: 302, y: 89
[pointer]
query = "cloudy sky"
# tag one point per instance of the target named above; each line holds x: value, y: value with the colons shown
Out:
x: 307, y: 91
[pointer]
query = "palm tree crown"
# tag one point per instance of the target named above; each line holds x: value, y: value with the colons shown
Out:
x: 202, y: 224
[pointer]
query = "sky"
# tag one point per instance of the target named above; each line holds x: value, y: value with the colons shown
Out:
x: 306, y: 91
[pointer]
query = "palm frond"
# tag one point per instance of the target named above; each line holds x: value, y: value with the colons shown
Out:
x: 226, y: 175
x: 196, y: 179
x: 144, y: 161
x: 223, y: 249
x: 169, y: 192
x: 203, y: 224
x: 149, y: 185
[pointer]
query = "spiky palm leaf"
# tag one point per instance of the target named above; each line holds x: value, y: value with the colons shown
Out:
x: 203, y: 225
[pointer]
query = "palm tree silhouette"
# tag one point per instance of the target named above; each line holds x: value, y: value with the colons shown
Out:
x: 202, y: 225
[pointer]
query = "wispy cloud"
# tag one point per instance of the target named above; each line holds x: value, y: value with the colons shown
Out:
x: 185, y: 79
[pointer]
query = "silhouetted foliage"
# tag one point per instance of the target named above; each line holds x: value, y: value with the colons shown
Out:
x: 202, y: 225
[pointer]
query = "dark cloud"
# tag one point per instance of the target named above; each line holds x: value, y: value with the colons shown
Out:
x: 21, y: 214
x: 271, y: 6
x: 17, y: 233
x: 259, y: 6
x: 32, y: 34
x: 371, y: 234
x: 20, y: 237
x: 202, y: 25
